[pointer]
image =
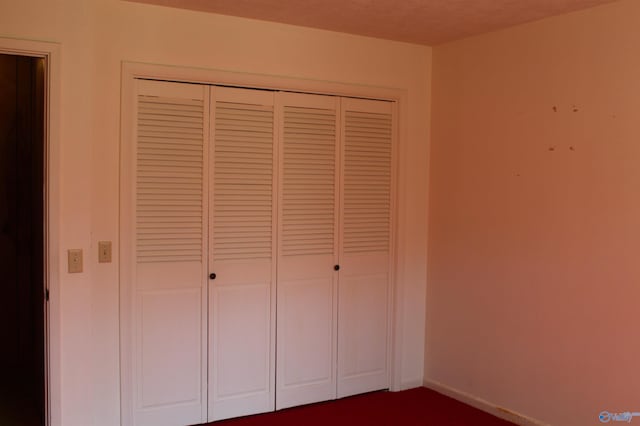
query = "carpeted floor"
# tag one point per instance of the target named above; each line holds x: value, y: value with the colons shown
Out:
x: 414, y: 407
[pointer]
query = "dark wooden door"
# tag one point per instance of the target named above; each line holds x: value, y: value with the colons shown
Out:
x: 22, y: 319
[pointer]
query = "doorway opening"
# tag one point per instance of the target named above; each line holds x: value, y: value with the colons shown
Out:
x: 22, y: 241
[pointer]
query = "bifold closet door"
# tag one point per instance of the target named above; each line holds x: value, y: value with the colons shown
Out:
x: 242, y: 253
x: 307, y: 249
x: 167, y: 383
x: 236, y: 201
x: 365, y: 246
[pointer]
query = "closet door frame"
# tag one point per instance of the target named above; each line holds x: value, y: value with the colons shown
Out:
x: 134, y: 70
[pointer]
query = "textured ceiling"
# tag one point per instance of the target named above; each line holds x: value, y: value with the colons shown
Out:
x: 429, y: 22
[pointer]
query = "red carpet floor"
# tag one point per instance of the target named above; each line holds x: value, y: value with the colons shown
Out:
x: 414, y: 407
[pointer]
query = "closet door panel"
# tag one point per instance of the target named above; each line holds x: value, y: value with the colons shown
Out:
x: 242, y: 254
x: 307, y: 249
x: 168, y: 305
x: 363, y: 335
x: 241, y: 364
x: 365, y: 246
x: 306, y: 333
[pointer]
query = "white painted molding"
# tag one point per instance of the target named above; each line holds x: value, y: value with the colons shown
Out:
x: 51, y: 53
x: 132, y: 70
x: 482, y: 404
x: 259, y: 81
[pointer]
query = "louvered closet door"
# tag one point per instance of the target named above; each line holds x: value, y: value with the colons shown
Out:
x: 242, y: 254
x: 169, y: 303
x: 365, y: 246
x: 307, y: 249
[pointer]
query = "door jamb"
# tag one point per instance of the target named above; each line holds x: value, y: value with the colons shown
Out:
x: 50, y: 52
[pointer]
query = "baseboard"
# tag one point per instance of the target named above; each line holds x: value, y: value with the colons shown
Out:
x: 483, y: 405
x: 410, y: 384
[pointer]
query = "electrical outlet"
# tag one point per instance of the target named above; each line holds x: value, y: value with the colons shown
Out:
x: 75, y: 260
x: 104, y: 251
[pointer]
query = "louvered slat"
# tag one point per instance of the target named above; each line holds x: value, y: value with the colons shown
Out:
x: 367, y: 182
x: 243, y: 181
x: 308, y: 181
x: 169, y: 168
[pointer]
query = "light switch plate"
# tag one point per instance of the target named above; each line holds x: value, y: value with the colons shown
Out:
x: 104, y: 251
x: 75, y: 260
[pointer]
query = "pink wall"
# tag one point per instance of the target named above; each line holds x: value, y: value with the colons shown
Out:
x: 533, y: 294
x: 95, y: 37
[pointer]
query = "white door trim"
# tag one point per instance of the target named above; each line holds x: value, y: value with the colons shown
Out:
x: 133, y: 70
x: 51, y: 53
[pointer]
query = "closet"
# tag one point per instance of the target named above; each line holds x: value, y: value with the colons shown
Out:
x: 256, y: 250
